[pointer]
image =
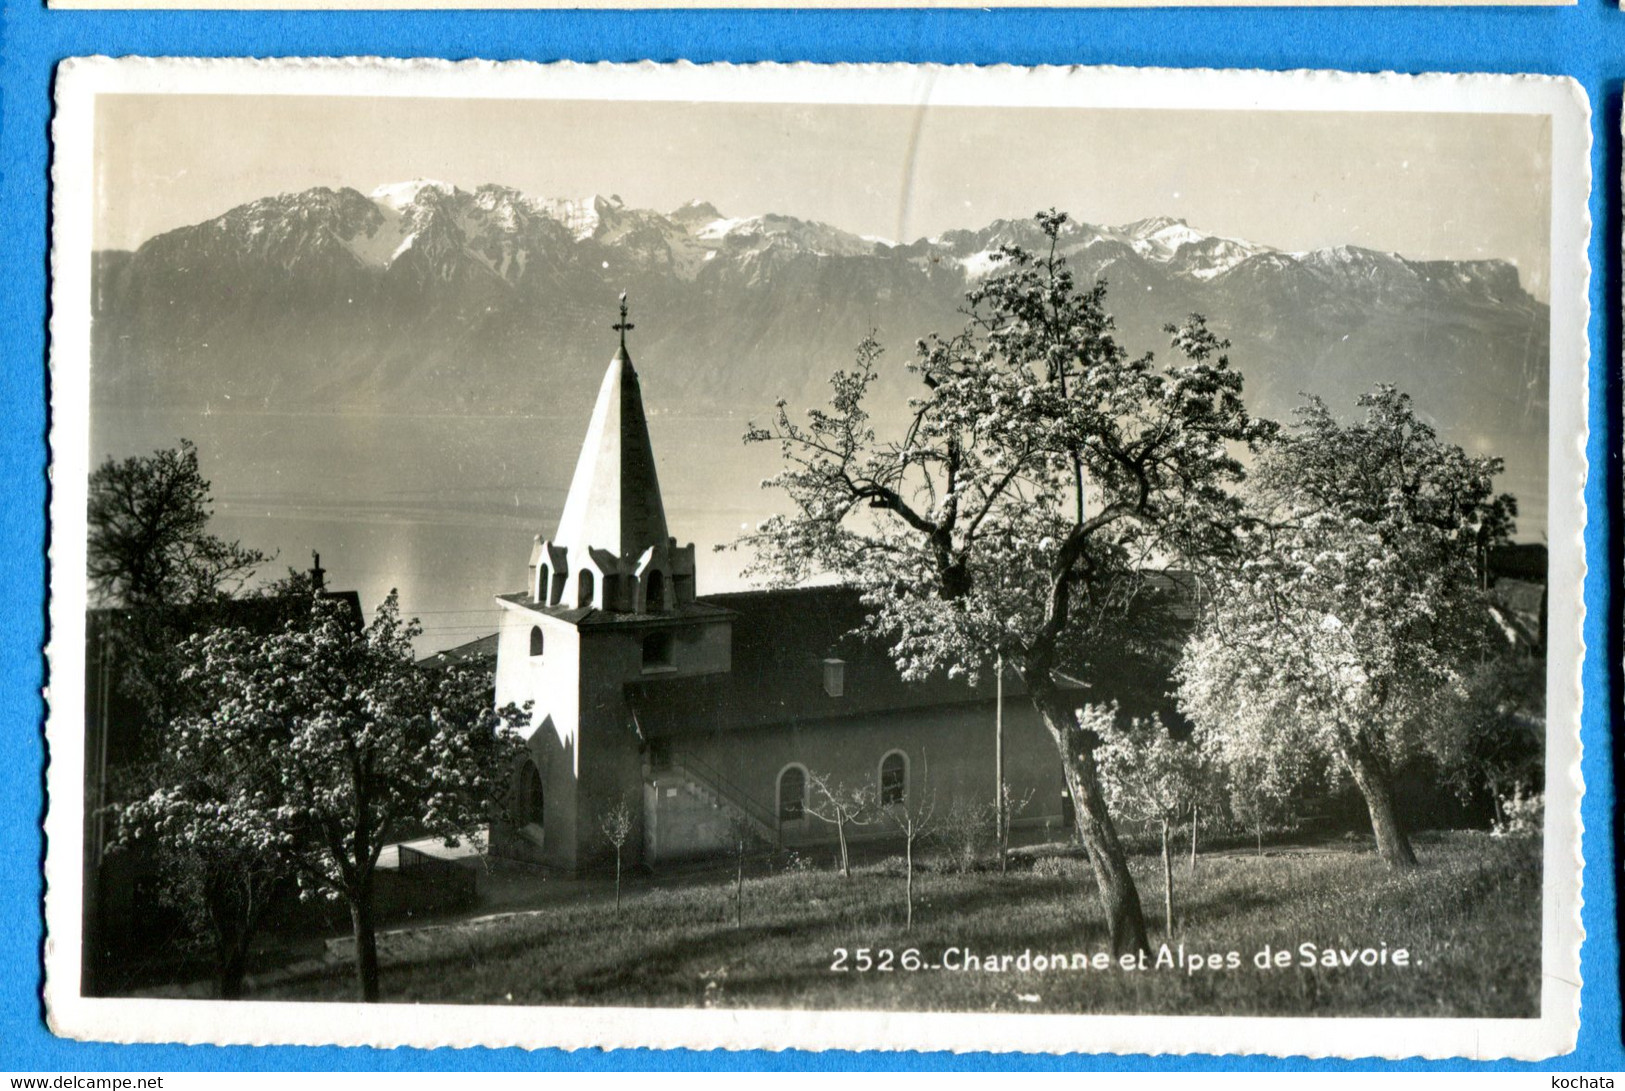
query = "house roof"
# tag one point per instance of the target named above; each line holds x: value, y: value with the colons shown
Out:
x: 481, y: 651
x: 256, y: 613
x: 1521, y: 607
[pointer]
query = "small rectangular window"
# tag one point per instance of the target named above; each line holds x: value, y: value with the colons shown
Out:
x: 657, y: 650
x: 835, y: 677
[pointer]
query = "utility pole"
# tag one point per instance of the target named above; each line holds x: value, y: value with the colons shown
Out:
x: 998, y: 758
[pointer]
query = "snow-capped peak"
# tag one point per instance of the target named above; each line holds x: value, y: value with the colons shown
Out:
x: 398, y: 195
x: 1153, y: 225
x: 581, y: 215
x: 694, y: 212
x: 1160, y: 237
x: 509, y: 233
x: 788, y: 232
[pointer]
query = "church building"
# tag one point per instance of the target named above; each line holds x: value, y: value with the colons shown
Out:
x: 703, y: 713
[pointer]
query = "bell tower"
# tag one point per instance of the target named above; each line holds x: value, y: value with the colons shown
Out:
x: 610, y: 600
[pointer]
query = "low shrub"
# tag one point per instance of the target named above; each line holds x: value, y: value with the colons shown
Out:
x: 1521, y: 815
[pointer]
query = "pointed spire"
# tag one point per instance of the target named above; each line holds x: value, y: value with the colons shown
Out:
x: 614, y: 502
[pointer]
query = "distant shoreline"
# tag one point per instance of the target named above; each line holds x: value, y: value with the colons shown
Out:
x: 573, y: 418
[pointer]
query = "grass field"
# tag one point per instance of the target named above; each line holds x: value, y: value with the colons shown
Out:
x: 1469, y: 917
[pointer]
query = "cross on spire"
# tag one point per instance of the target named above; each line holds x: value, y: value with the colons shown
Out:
x: 623, y: 325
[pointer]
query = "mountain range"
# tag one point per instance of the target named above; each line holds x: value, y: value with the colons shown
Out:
x: 423, y: 297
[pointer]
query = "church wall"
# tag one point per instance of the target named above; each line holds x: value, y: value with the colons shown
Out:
x: 549, y: 681
x: 610, y: 765
x: 950, y: 752
x: 581, y: 735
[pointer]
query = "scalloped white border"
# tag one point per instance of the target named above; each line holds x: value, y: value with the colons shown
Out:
x: 79, y: 81
x: 385, y: 5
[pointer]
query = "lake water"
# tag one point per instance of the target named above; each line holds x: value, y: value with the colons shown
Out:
x: 444, y: 508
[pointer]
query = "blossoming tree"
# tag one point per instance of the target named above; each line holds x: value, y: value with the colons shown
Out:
x: 1359, y: 605
x: 336, y: 742
x: 1041, y: 468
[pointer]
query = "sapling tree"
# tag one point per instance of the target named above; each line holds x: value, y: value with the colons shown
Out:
x: 616, y: 824
x: 830, y: 801
x: 914, y: 816
x: 743, y: 836
x: 964, y: 829
x: 1263, y: 772
x: 1041, y: 469
x: 1011, y: 805
x: 1150, y: 777
x: 1357, y: 604
x: 1205, y: 785
x: 336, y: 742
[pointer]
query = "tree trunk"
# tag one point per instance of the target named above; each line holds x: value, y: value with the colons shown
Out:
x: 232, y: 925
x: 1167, y: 885
x: 1372, y: 779
x: 1195, y: 825
x: 366, y: 944
x: 840, y: 835
x: 1001, y: 799
x: 908, y: 872
x: 231, y: 962
x: 1120, y: 901
x: 739, y: 887
x: 617, y: 880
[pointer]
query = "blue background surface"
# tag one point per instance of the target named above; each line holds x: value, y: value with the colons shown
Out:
x: 1586, y: 42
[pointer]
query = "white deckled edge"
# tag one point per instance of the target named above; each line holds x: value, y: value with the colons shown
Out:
x: 80, y: 80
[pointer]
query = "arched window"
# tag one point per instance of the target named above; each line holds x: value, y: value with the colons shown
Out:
x: 654, y: 596
x: 893, y: 778
x: 544, y: 585
x: 792, y: 794
x: 535, y: 640
x: 529, y: 809
x: 584, y: 588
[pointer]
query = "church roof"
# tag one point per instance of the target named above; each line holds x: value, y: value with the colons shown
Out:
x: 614, y: 501
x: 590, y: 618
x: 781, y: 638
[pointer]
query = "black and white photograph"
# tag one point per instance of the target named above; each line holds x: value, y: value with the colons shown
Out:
x: 872, y: 557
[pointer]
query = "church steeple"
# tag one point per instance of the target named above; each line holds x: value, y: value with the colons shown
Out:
x: 614, y: 502
x: 612, y: 550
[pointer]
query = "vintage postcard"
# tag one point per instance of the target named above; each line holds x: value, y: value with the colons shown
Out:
x: 893, y: 557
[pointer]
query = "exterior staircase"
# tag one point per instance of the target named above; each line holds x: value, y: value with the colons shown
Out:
x: 707, y: 782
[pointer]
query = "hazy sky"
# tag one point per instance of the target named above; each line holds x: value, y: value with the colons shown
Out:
x: 1425, y: 185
